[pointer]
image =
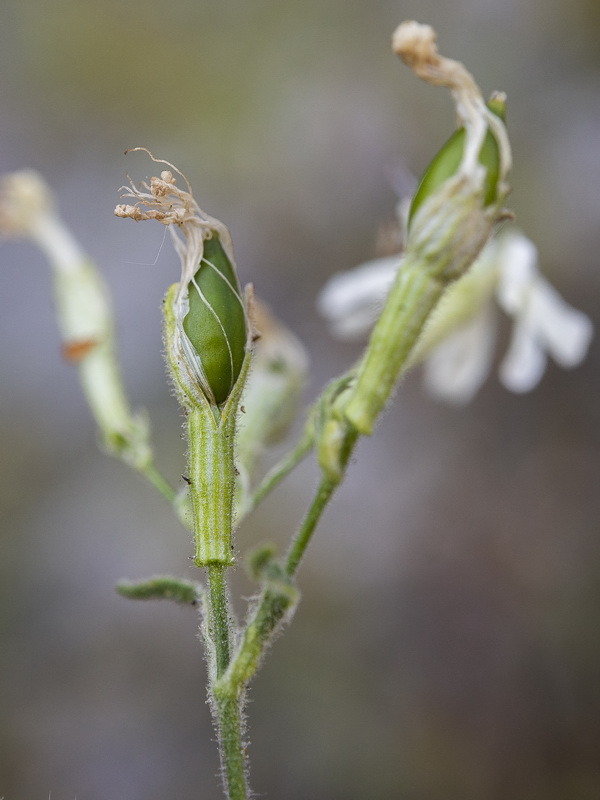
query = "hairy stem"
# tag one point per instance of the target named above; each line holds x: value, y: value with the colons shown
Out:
x: 275, y: 601
x: 219, y: 627
x: 212, y: 479
x: 233, y: 758
x: 280, y: 471
x: 413, y: 297
x: 226, y: 706
x: 303, y: 536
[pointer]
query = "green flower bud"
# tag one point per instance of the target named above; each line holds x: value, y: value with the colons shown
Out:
x: 215, y: 323
x: 206, y: 328
x: 445, y: 164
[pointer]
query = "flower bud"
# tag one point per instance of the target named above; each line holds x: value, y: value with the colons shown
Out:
x: 447, y: 161
x: 206, y: 327
x: 461, y: 196
x: 215, y: 323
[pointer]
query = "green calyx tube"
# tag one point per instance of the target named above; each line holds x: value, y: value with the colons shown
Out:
x: 215, y: 323
x: 445, y: 164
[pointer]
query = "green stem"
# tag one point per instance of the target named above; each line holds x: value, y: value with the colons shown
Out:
x: 212, y: 476
x: 270, y: 610
x: 412, y: 298
x: 300, y: 542
x: 274, y: 604
x: 233, y: 761
x: 275, y: 475
x: 226, y: 705
x: 159, y: 482
x: 218, y: 618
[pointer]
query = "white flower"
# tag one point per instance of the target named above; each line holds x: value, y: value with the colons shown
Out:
x: 544, y: 323
x: 457, y: 344
x: 352, y: 301
x: 84, y: 315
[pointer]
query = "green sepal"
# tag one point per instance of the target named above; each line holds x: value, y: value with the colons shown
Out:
x: 445, y: 164
x: 215, y: 323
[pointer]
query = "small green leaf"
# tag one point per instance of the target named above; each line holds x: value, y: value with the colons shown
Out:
x: 161, y: 587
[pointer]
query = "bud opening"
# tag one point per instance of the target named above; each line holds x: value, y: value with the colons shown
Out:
x: 448, y: 160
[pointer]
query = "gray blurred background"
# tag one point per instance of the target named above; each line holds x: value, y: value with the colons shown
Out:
x: 447, y: 646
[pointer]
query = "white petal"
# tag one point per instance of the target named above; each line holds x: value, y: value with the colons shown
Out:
x: 564, y: 331
x: 543, y: 321
x: 357, y: 325
x: 525, y: 362
x: 518, y: 272
x: 457, y: 367
x: 352, y: 300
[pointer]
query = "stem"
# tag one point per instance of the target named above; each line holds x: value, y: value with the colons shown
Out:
x: 281, y: 470
x: 218, y: 617
x: 212, y: 476
x: 226, y: 706
x: 159, y: 482
x: 300, y: 541
x: 274, y: 604
x: 414, y: 295
x: 233, y: 761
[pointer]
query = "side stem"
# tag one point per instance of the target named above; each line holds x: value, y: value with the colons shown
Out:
x: 300, y: 542
x: 280, y: 471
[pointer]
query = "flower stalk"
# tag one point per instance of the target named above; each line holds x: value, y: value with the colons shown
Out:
x: 208, y: 348
x: 453, y: 221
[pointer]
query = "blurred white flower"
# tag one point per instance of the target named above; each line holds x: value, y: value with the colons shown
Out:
x: 457, y: 344
x: 83, y: 312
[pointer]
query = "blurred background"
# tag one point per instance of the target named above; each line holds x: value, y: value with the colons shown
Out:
x: 447, y: 646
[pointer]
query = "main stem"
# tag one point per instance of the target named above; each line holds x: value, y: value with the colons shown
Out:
x: 226, y: 706
x: 219, y: 617
x: 212, y: 476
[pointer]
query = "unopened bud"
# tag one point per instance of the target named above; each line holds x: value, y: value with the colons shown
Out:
x: 206, y: 326
x: 215, y: 323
